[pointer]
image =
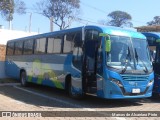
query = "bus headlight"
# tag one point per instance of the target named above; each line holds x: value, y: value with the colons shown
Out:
x: 116, y: 82
x: 150, y: 83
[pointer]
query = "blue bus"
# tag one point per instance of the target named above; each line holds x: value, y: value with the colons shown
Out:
x: 153, y: 39
x: 106, y: 62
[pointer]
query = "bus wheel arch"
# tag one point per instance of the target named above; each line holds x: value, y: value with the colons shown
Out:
x: 23, y: 78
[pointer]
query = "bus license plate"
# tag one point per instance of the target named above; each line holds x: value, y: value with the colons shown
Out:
x: 135, y: 90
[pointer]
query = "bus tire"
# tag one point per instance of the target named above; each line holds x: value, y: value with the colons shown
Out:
x: 73, y: 95
x: 23, y: 79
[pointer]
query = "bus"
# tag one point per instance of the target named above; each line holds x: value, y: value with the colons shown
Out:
x: 153, y: 39
x: 107, y: 62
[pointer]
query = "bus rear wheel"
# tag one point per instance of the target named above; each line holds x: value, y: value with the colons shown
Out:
x: 23, y: 79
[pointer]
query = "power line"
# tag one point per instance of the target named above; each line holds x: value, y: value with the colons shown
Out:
x: 93, y: 7
x: 102, y: 11
x: 80, y: 19
x: 84, y: 21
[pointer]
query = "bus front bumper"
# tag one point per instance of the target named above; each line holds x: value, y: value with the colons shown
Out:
x: 127, y: 92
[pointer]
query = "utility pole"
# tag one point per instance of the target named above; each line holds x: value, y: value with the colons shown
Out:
x: 10, y: 25
x: 30, y: 22
x: 51, y: 24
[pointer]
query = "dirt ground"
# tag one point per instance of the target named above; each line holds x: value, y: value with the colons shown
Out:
x: 40, y: 102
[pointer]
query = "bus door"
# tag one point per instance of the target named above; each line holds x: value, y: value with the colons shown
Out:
x: 90, y: 62
x: 156, y: 67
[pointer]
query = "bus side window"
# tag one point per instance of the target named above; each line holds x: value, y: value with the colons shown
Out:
x: 151, y: 41
x: 153, y: 55
x: 10, y: 48
x: 68, y: 43
x: 157, y: 60
x: 18, y: 47
x: 39, y: 47
x: 77, y: 50
x: 152, y: 46
x: 54, y: 45
x: 28, y: 47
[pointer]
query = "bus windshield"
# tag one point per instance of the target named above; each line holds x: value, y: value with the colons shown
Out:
x: 128, y: 54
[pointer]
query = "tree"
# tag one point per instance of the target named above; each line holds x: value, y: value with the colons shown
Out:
x: 120, y: 19
x: 61, y: 12
x: 155, y: 21
x: 9, y: 7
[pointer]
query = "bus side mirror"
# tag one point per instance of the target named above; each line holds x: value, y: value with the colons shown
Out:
x: 108, y: 45
x: 107, y: 42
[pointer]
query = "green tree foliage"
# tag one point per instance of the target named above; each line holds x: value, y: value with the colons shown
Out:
x: 120, y: 19
x: 155, y: 21
x: 9, y: 7
x: 63, y: 12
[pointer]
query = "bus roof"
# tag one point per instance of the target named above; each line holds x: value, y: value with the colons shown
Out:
x: 119, y: 31
x: 105, y: 29
x: 124, y: 32
x: 153, y: 34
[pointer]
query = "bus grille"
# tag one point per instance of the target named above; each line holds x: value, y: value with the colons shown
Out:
x: 135, y: 77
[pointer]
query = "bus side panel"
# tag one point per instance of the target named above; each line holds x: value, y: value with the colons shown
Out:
x: 48, y: 70
x: 100, y: 83
x: 76, y: 80
x: 12, y: 67
x: 40, y: 69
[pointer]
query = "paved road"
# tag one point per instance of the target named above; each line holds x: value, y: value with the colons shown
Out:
x: 40, y: 98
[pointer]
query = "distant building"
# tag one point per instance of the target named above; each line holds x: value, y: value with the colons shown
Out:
x: 154, y: 28
x: 6, y: 35
x: 2, y: 52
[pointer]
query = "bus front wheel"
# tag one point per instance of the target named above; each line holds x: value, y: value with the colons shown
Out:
x: 23, y: 79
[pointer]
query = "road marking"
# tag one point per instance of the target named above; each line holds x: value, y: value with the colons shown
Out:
x: 45, y: 96
x: 62, y: 101
x: 9, y: 84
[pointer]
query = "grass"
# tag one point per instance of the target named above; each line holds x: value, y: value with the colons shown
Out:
x: 8, y: 80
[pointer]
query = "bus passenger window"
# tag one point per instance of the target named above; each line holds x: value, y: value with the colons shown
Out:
x: 39, y: 47
x: 152, y: 52
x: 54, y: 45
x: 18, y: 47
x: 151, y: 41
x: 10, y: 48
x: 28, y: 47
x: 77, y: 50
x: 153, y: 55
x: 77, y: 57
x: 68, y: 43
x: 92, y: 35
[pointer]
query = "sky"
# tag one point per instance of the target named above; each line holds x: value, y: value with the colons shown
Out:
x: 91, y: 12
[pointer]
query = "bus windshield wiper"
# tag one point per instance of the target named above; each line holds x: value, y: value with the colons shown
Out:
x: 126, y: 61
x: 136, y: 56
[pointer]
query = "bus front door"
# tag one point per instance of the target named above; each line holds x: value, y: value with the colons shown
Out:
x: 90, y: 67
x: 156, y: 66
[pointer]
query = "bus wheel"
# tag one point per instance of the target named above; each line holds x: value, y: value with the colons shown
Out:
x: 72, y: 94
x: 23, y: 79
